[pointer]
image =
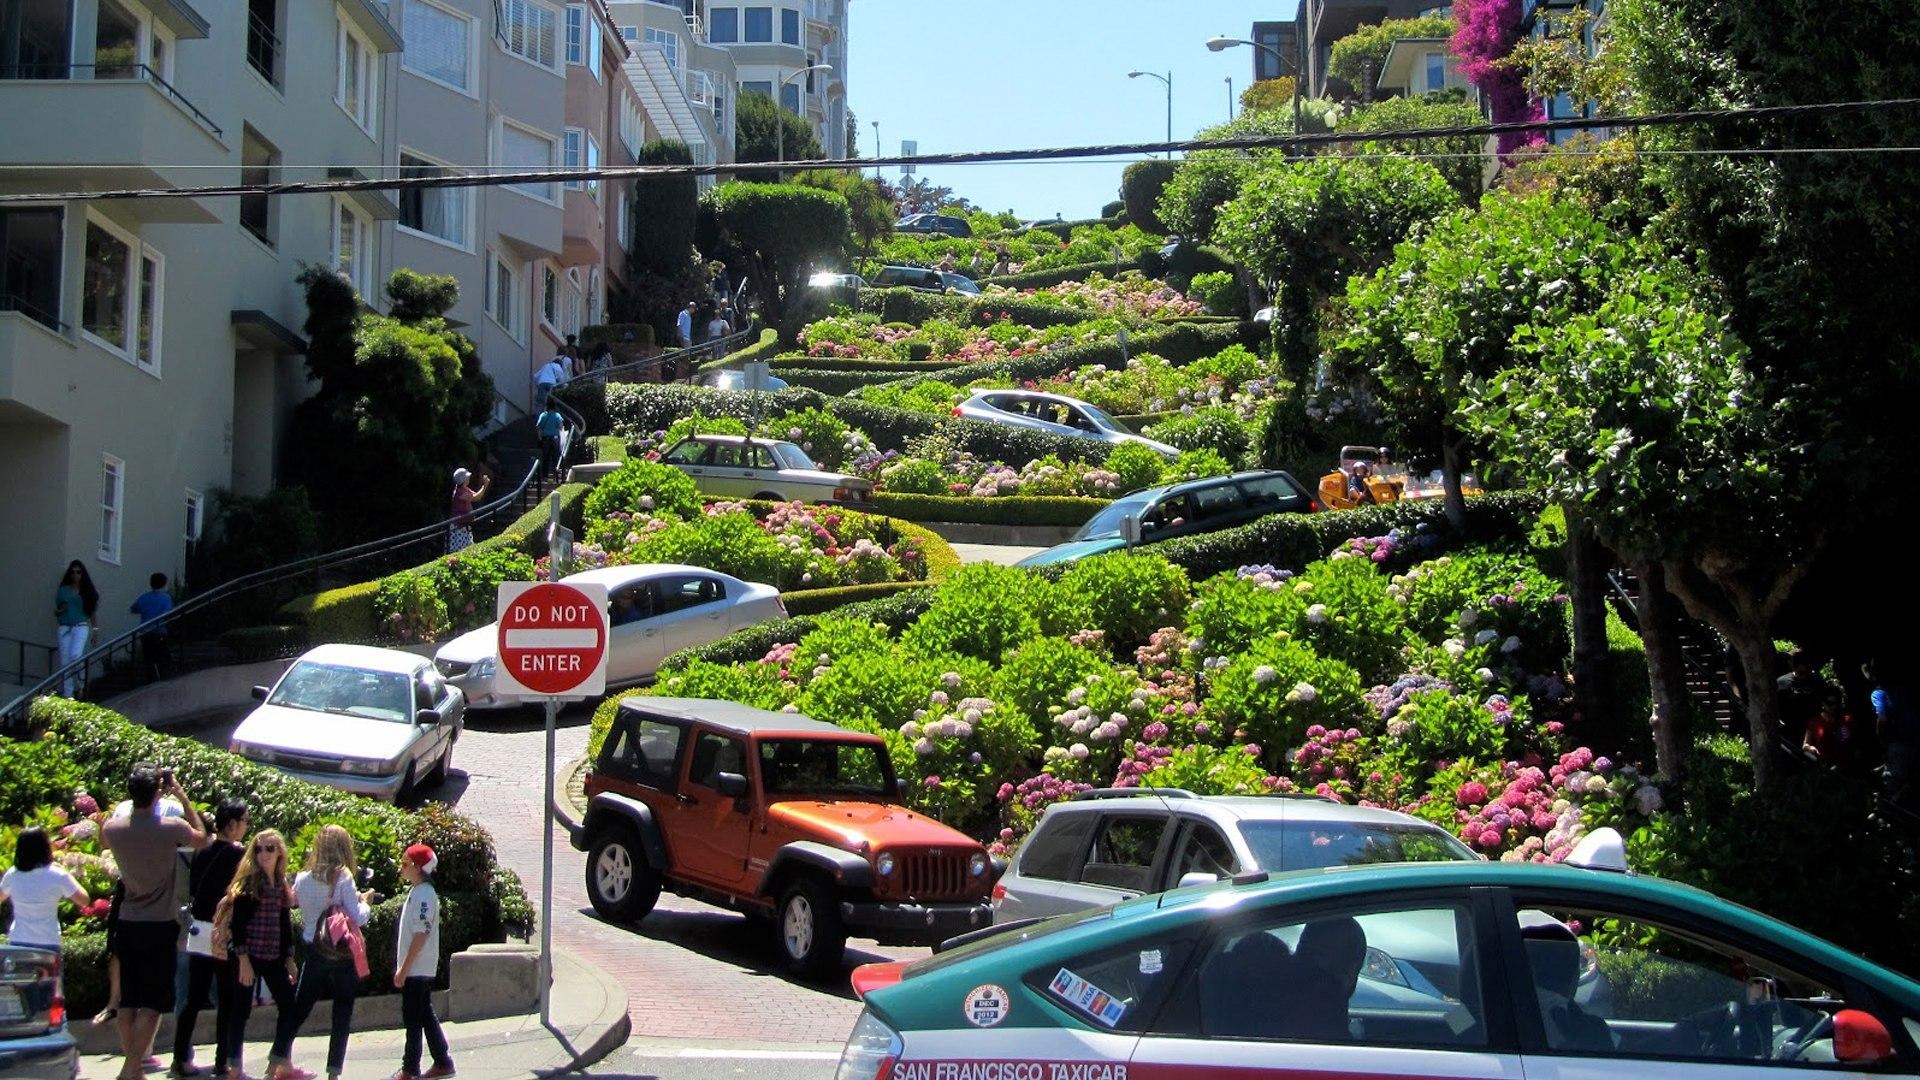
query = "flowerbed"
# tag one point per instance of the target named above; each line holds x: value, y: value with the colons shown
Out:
x: 1026, y: 251
x: 1131, y: 295
x: 990, y: 335
x: 1438, y: 691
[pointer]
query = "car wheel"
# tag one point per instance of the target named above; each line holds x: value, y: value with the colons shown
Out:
x: 808, y: 928
x: 409, y: 788
x: 621, y: 885
x: 439, y: 774
x: 771, y: 496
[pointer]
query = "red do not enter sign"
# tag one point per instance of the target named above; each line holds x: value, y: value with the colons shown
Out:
x: 552, y: 639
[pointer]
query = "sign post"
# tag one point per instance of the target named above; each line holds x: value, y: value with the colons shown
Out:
x: 552, y: 646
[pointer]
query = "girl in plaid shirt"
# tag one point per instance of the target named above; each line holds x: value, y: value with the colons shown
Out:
x: 259, y: 942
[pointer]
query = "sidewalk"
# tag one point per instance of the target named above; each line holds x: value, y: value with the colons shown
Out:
x: 589, y: 1015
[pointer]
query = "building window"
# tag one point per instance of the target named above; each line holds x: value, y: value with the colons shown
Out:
x: 593, y: 162
x: 629, y: 34
x: 669, y: 44
x: 1436, y: 71
x: 196, y: 515
x: 526, y: 150
x: 583, y: 38
x: 790, y: 97
x: 355, y: 91
x: 789, y: 26
x: 113, y: 489
x: 116, y: 43
x: 353, y: 246
x: 632, y: 125
x: 573, y: 153
x: 764, y: 89
x: 594, y: 291
x: 759, y: 24
x: 549, y: 296
x: 264, y: 48
x: 441, y: 213
x: 439, y: 44
x: 527, y: 31
x: 121, y: 294
x: 723, y: 25
x: 502, y: 288
x: 259, y: 163
x: 31, y: 246
x: 623, y: 222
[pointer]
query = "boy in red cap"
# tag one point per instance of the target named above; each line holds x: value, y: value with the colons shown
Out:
x: 418, y: 959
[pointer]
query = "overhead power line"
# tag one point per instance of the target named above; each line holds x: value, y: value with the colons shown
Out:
x: 1238, y: 142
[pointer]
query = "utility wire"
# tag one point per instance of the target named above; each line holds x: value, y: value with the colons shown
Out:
x: 545, y: 177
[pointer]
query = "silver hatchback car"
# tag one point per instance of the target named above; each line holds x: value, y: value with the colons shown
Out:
x: 1113, y: 844
x: 1055, y: 414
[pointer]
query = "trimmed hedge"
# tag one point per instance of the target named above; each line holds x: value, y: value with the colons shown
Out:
x: 997, y: 510
x: 1180, y: 343
x: 913, y: 306
x: 821, y: 601
x: 1042, y: 279
x: 832, y: 383
x: 1291, y: 541
x: 783, y: 364
x: 896, y: 612
x: 942, y: 560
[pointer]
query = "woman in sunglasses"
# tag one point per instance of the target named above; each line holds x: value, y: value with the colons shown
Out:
x: 259, y: 943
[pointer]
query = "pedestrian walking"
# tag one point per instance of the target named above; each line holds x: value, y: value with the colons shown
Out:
x: 460, y: 533
x: 683, y: 325
x: 417, y: 961
x: 332, y: 914
x: 36, y: 885
x: 549, y: 426
x: 75, y: 603
x: 1897, y: 724
x: 150, y: 605
x: 255, y: 935
x: 146, y: 941
x: 210, y: 875
x: 602, y: 357
x: 552, y: 374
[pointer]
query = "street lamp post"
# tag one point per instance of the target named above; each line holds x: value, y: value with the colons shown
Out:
x: 1168, y: 79
x: 780, y: 128
x: 877, y: 152
x: 1220, y: 44
x: 1229, y: 99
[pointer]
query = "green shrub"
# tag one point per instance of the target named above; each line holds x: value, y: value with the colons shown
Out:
x: 1040, y: 672
x: 643, y: 487
x: 409, y: 609
x: 982, y: 611
x: 40, y: 772
x: 821, y: 601
x: 1220, y: 292
x: 820, y: 433
x: 1198, y: 465
x: 897, y: 612
x: 916, y: 476
x: 1488, y: 597
x: 376, y: 848
x: 1057, y: 510
x: 1138, y: 466
x: 1141, y: 185
x: 1274, y: 691
x: 1043, y: 279
x: 343, y: 614
x: 1128, y: 596
x: 1210, y: 770
x: 1213, y: 427
x: 463, y: 846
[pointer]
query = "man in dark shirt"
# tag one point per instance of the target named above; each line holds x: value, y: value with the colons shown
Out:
x: 208, y: 877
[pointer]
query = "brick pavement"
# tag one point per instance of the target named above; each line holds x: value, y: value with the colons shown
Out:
x: 691, y: 971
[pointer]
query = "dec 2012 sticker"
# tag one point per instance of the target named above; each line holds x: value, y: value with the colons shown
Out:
x: 1087, y: 997
x: 986, y: 1005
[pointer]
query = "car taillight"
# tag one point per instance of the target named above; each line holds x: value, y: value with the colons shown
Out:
x: 956, y: 410
x: 1313, y: 506
x: 57, y: 1013
x: 999, y: 893
x: 871, y: 1050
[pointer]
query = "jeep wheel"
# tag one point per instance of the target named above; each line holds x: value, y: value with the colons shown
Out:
x: 621, y: 885
x: 808, y: 928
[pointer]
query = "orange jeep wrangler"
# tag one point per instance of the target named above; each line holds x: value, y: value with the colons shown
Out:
x: 778, y: 816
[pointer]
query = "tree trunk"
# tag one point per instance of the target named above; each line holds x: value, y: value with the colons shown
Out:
x: 1587, y: 562
x: 1455, y: 500
x: 1666, y: 670
x: 1758, y: 657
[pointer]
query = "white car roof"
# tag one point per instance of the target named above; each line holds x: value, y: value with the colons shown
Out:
x: 370, y: 657
x: 615, y: 576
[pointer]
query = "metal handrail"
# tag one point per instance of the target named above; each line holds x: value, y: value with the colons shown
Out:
x: 14, y: 715
x: 140, y: 72
x: 16, y: 303
x: 706, y: 349
x: 19, y: 648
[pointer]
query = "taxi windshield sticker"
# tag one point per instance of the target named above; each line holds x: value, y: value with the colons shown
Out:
x: 986, y: 1005
x: 1087, y: 997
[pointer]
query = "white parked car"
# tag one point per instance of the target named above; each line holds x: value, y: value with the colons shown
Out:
x: 653, y: 609
x: 376, y: 722
x: 1055, y: 414
x: 740, y: 467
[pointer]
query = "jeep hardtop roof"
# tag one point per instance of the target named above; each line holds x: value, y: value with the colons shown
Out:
x: 740, y: 719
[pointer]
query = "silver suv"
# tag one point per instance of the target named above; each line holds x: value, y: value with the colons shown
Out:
x: 1112, y: 844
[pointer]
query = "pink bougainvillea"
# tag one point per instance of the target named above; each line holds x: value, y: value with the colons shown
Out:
x: 1486, y: 31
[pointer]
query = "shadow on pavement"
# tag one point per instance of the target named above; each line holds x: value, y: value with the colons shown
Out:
x: 737, y: 939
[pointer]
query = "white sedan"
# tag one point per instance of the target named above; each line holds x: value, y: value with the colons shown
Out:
x: 739, y: 467
x: 376, y: 722
x: 654, y: 609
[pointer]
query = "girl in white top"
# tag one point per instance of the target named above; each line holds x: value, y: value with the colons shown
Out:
x: 326, y: 883
x: 36, y: 886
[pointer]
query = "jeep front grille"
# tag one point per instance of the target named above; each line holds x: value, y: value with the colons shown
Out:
x: 934, y: 875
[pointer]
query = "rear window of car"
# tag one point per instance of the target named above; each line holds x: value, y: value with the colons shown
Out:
x: 1054, y: 852
x: 1307, y: 845
x: 1218, y: 501
x: 1278, y: 492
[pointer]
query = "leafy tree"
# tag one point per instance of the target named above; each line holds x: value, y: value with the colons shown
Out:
x: 1303, y: 228
x: 869, y: 202
x: 1358, y: 57
x: 399, y: 396
x: 1141, y: 185
x: 1556, y: 61
x: 1267, y: 94
x: 1206, y: 180
x: 1463, y: 164
x: 781, y: 231
x: 918, y: 195
x: 662, y: 268
x: 1485, y: 34
x: 757, y: 118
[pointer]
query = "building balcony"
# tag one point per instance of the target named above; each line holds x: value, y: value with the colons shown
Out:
x: 37, y: 354
x: 120, y: 123
x: 584, y: 231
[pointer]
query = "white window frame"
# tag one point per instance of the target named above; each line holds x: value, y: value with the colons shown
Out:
x: 500, y: 148
x: 360, y: 273
x: 583, y: 38
x: 521, y: 16
x: 593, y: 162
x: 573, y: 303
x: 549, y: 296
x: 623, y: 221
x: 353, y: 52
x: 472, y: 48
x: 503, y: 316
x: 465, y: 195
x: 113, y: 506
x: 628, y: 34
x: 668, y: 42
x: 196, y: 504
x: 595, y: 301
x: 573, y: 155
x: 139, y: 253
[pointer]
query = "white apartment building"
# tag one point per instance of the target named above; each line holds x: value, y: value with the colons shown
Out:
x: 150, y: 349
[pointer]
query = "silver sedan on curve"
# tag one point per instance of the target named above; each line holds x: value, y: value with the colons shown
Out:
x: 1055, y: 414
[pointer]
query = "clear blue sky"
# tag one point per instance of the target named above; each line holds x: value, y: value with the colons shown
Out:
x: 1000, y: 74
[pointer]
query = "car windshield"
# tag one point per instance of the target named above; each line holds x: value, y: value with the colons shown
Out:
x: 1106, y: 523
x: 790, y: 456
x: 1308, y: 845
x: 824, y: 767
x: 348, y: 691
x: 962, y: 283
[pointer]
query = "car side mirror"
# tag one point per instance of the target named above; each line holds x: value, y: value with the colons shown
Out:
x: 260, y: 693
x: 1859, y: 1038
x: 731, y: 784
x: 428, y: 717
x: 1130, y: 528
x: 1197, y: 877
